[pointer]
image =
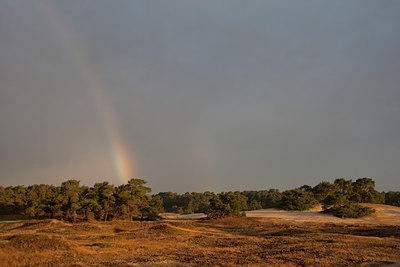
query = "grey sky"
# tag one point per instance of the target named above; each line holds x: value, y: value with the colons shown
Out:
x: 209, y: 95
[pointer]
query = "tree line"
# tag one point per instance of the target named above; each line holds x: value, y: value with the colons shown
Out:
x: 71, y: 201
x: 200, y: 202
x: 340, y: 198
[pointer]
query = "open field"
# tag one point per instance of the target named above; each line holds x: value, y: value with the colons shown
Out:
x: 271, y: 240
x: 384, y: 215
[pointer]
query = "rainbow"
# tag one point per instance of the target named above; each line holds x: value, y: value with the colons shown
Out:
x: 123, y: 161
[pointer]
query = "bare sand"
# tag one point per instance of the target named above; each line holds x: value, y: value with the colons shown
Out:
x: 384, y: 215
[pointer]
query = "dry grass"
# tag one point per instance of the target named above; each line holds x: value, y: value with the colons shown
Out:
x: 245, y: 241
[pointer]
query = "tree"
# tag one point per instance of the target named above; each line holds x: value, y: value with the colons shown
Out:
x: 335, y: 201
x: 236, y: 202
x: 169, y: 200
x: 297, y: 199
x: 273, y: 199
x: 345, y: 187
x: 153, y: 209
x: 36, y: 200
x: 70, y: 196
x: 90, y: 208
x: 133, y: 199
x: 323, y: 190
x: 392, y: 198
x: 364, y: 192
x: 226, y: 205
x: 306, y: 188
x: 217, y: 209
x: 103, y: 195
x: 254, y: 205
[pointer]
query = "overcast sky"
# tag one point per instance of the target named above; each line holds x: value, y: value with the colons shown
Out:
x: 205, y: 95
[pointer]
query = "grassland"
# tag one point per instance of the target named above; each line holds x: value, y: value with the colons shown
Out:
x: 227, y: 242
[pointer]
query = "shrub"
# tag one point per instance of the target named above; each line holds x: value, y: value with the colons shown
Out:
x: 353, y: 211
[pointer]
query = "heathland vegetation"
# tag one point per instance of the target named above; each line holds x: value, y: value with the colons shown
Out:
x: 70, y: 201
x: 227, y: 242
x: 106, y: 225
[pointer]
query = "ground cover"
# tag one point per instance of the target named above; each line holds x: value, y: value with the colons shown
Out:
x: 275, y: 240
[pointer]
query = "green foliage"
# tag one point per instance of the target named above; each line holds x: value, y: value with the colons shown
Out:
x: 185, y: 203
x: 132, y: 199
x: 392, y: 198
x: 343, y: 192
x: 103, y: 201
x: 297, y: 199
x: 231, y: 204
x: 341, y: 196
x: 69, y: 197
x: 343, y: 186
x: 155, y: 207
x: 335, y: 200
x: 201, y: 202
x: 235, y: 202
x: 353, y: 211
x: 254, y: 205
x: 71, y: 202
x: 364, y: 192
x: 266, y: 198
x: 218, y: 209
x: 323, y: 190
x: 90, y: 209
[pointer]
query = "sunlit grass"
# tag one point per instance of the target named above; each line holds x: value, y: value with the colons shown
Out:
x: 240, y: 241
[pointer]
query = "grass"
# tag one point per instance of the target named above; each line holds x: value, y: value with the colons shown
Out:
x: 227, y: 242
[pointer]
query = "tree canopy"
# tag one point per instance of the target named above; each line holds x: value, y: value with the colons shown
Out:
x: 71, y: 201
x: 103, y: 201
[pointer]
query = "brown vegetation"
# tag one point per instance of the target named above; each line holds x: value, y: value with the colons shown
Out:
x: 227, y: 242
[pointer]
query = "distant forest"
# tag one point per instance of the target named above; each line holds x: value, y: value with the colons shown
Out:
x: 70, y: 201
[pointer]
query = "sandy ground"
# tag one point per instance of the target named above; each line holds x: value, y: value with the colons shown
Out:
x: 384, y: 215
x: 276, y: 238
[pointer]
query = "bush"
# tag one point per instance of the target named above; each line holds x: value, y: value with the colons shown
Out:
x: 353, y: 211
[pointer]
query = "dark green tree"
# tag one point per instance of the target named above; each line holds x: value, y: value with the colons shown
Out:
x: 364, y: 192
x: 226, y: 205
x: 132, y: 199
x: 103, y: 195
x: 323, y: 190
x: 392, y: 198
x: 70, y: 199
x: 297, y: 199
x: 343, y: 186
x: 218, y: 209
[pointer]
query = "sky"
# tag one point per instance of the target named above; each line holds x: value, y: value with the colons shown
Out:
x: 200, y: 95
